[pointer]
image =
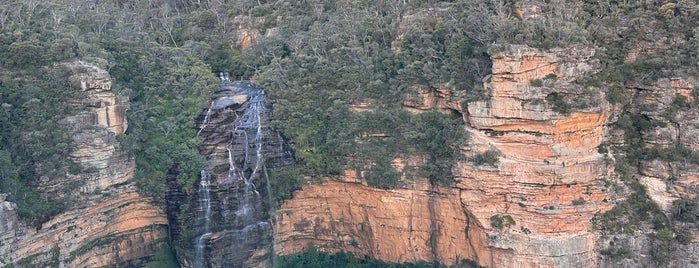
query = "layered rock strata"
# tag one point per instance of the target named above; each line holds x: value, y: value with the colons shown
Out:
x: 106, y: 221
x: 532, y: 209
x: 238, y: 145
x: 670, y: 104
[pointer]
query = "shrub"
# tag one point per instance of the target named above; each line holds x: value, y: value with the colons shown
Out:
x: 558, y: 103
x: 383, y: 175
x: 285, y: 181
x: 536, y: 82
x: 620, y: 253
x: 490, y: 157
x: 617, y: 94
x: 315, y: 258
x: 684, y: 210
x: 499, y: 222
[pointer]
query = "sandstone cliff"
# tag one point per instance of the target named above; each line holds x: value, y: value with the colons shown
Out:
x: 107, y: 222
x: 668, y: 170
x: 547, y: 180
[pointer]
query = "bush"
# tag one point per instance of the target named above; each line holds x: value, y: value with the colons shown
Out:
x: 490, y: 157
x: 383, y: 175
x: 314, y: 258
x: 685, y: 210
x: 617, y: 94
x: 620, y: 253
x: 536, y: 82
x: 499, y: 222
x: 578, y: 202
x: 558, y: 103
x: 165, y: 258
x: 285, y: 181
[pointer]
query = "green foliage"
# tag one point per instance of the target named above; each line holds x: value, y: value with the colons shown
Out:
x: 663, y: 247
x: 578, y: 202
x: 680, y: 103
x: 500, y: 222
x: 315, y: 258
x: 383, y: 175
x: 558, y: 103
x: 618, y: 253
x: 438, y: 137
x: 339, y: 60
x: 32, y: 141
x: 617, y: 94
x: 490, y: 157
x: 536, y: 82
x: 685, y: 210
x: 221, y: 58
x: 161, y: 132
x: 628, y: 216
x: 284, y: 181
x: 165, y: 258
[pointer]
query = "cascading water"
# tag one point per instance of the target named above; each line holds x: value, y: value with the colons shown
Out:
x: 205, y: 211
x: 206, y: 119
x: 234, y: 227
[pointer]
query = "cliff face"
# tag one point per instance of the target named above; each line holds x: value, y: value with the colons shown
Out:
x: 665, y: 180
x: 548, y: 176
x: 107, y: 222
x: 670, y: 176
x: 546, y: 181
x: 228, y: 221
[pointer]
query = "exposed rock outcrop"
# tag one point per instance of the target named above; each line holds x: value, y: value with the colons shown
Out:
x: 238, y: 231
x: 106, y: 221
x: 546, y: 181
x: 668, y: 169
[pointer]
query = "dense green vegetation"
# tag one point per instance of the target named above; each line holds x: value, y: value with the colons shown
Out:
x: 313, y: 258
x: 323, y: 57
x: 344, y: 56
x: 164, y: 259
x: 32, y: 141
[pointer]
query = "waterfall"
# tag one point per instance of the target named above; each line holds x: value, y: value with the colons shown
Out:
x: 248, y: 127
x: 205, y: 209
x: 206, y: 118
x: 236, y: 137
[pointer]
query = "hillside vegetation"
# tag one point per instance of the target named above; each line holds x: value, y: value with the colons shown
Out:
x: 316, y: 59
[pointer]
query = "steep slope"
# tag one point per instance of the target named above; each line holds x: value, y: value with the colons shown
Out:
x: 227, y: 224
x: 533, y: 208
x: 107, y: 222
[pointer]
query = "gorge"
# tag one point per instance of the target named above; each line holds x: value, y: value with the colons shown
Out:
x: 272, y: 133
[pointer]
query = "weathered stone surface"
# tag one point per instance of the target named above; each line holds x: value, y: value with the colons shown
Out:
x: 239, y: 230
x: 405, y: 225
x: 246, y: 30
x: 547, y: 179
x: 105, y: 108
x: 106, y: 221
x: 106, y: 231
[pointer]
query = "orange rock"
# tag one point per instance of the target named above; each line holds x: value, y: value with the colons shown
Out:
x: 547, y: 181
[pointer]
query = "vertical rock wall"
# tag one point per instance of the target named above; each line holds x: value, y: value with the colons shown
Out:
x: 546, y: 181
x: 107, y: 222
x: 239, y: 232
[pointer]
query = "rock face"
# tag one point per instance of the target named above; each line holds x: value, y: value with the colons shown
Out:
x: 106, y: 109
x: 667, y: 181
x: 543, y: 192
x: 230, y: 223
x: 672, y: 176
x: 106, y: 221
